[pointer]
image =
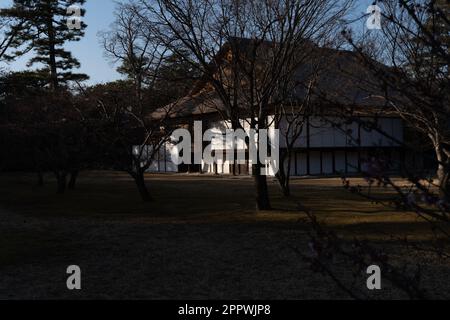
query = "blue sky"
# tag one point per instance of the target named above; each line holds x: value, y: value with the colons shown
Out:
x: 99, y: 16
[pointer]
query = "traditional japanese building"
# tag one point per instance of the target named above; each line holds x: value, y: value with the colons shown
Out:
x: 347, y: 126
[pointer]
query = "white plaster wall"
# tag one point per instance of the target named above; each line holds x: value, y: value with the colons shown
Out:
x: 163, y: 160
x: 391, y: 131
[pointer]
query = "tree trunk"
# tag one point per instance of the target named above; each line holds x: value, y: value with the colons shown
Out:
x: 73, y: 180
x: 54, y: 83
x: 283, y: 176
x: 284, y: 183
x: 286, y: 188
x: 142, y: 187
x: 61, y: 178
x: 262, y: 192
x: 443, y: 173
x: 443, y: 181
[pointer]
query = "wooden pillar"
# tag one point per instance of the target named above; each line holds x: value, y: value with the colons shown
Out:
x: 334, y: 161
x: 359, y: 149
x: 321, y: 163
x: 308, y: 146
x: 165, y: 158
x: 158, y: 156
x: 346, y: 161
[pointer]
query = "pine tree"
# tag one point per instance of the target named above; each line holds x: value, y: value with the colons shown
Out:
x: 437, y: 32
x: 45, y: 32
x: 443, y: 8
x: 438, y: 22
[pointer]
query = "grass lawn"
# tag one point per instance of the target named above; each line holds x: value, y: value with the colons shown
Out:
x: 200, y: 239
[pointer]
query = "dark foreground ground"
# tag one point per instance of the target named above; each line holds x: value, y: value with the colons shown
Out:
x: 200, y: 239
